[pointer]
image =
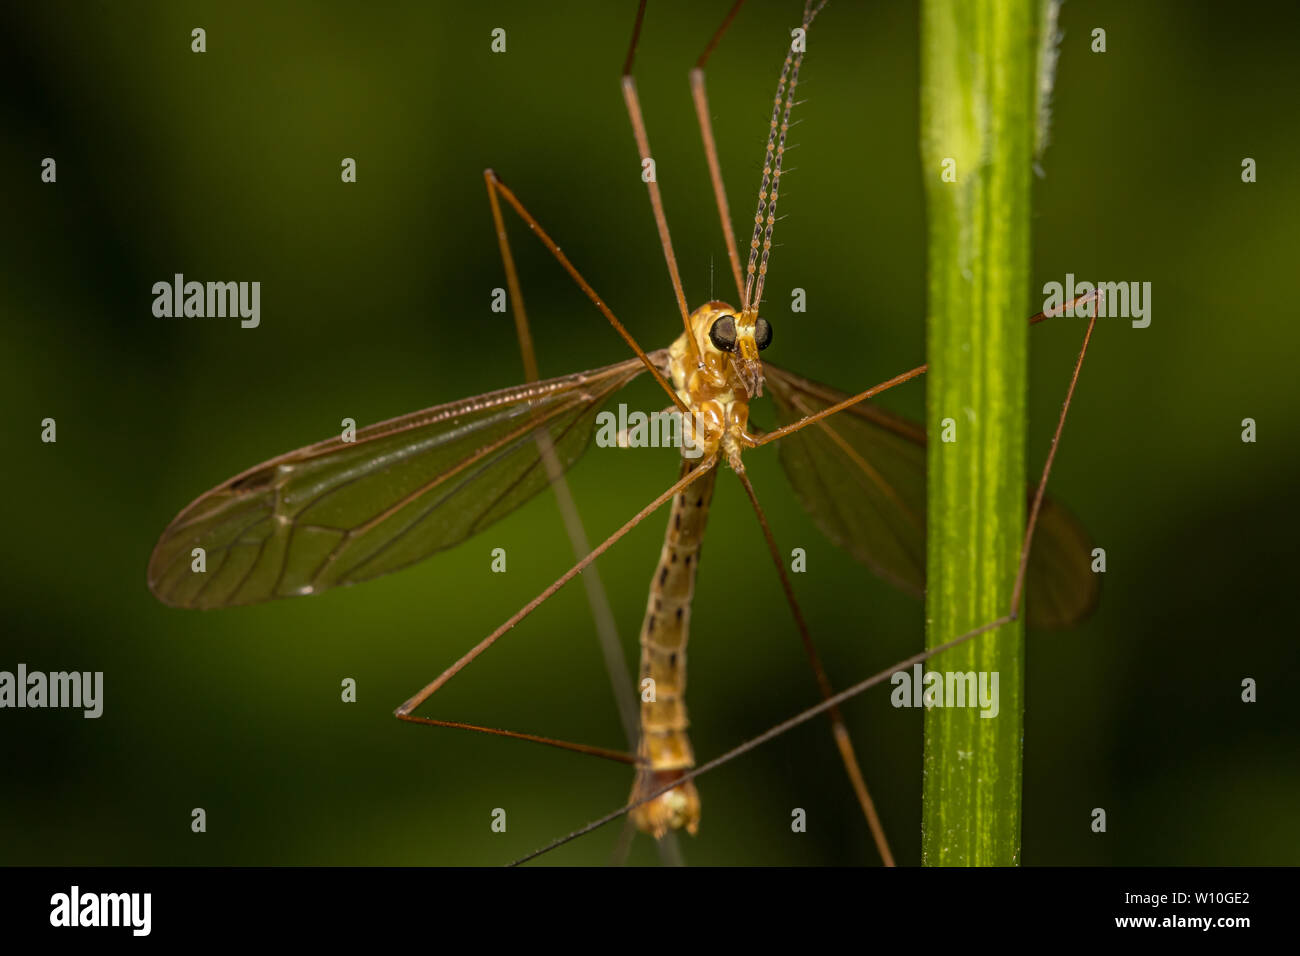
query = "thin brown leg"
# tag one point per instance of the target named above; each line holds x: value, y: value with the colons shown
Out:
x: 1037, y: 506
x: 603, y: 616
x: 701, y: 98
x: 633, y: 103
x: 875, y: 390
x: 404, y: 711
x: 839, y: 729
x: 497, y: 188
x: 616, y: 755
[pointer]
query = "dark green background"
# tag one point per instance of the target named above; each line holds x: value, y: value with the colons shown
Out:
x: 225, y: 166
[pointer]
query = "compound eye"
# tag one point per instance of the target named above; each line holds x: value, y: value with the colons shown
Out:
x: 762, y: 333
x: 723, y: 334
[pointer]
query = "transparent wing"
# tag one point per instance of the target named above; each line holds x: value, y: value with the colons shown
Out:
x: 336, y: 512
x: 861, y: 475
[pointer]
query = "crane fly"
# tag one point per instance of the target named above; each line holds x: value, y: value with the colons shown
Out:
x: 346, y: 510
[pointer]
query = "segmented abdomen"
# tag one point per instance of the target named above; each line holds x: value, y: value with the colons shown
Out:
x: 664, y: 745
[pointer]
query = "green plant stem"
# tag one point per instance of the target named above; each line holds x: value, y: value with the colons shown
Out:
x: 979, y: 61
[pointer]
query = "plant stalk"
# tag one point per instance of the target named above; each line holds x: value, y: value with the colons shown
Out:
x: 978, y: 105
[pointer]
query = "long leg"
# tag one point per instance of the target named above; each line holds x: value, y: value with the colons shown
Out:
x: 404, y: 712
x: 633, y: 103
x: 701, y: 98
x: 839, y: 729
x: 597, y: 599
x: 1037, y: 506
x: 611, y: 648
x: 879, y: 677
x: 497, y: 188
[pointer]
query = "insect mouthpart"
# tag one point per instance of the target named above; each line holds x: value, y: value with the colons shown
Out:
x: 743, y: 342
x: 750, y: 373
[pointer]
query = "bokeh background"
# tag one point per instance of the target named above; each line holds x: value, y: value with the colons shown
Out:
x: 225, y: 166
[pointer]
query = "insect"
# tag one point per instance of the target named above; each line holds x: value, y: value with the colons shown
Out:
x: 353, y: 508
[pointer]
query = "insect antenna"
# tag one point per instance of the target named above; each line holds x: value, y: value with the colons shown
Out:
x: 765, y: 217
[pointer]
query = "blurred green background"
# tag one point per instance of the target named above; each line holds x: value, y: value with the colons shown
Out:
x: 225, y: 166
